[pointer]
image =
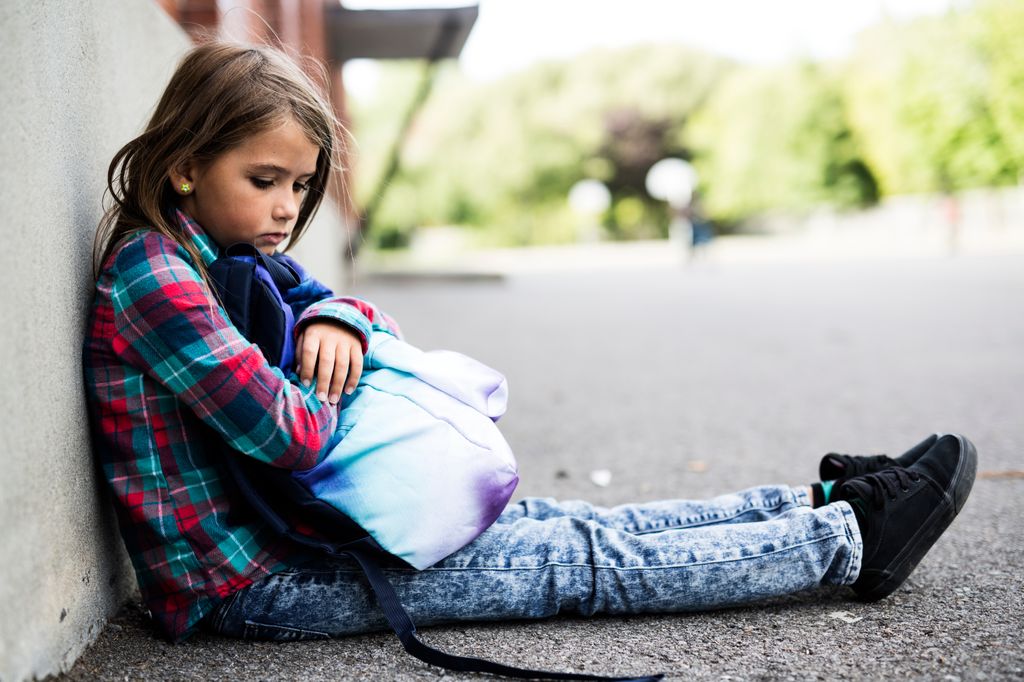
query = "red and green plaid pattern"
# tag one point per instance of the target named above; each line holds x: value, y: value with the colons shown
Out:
x: 169, y: 380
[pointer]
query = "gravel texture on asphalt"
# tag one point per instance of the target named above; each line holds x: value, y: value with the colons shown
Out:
x: 699, y: 381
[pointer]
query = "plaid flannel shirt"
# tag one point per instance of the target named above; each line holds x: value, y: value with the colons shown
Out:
x: 169, y: 380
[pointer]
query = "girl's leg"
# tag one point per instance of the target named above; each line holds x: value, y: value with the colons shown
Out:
x: 534, y: 568
x: 754, y: 504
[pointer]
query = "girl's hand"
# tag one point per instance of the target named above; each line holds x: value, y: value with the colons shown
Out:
x: 336, y: 354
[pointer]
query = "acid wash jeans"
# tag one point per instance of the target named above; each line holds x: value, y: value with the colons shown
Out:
x: 543, y: 557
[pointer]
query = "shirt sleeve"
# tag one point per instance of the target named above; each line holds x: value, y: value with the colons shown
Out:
x: 168, y: 325
x: 311, y: 300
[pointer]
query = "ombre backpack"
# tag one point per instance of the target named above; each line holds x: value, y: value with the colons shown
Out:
x: 417, y: 468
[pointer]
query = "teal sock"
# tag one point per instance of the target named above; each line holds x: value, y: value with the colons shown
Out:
x: 821, y: 493
x: 826, y: 487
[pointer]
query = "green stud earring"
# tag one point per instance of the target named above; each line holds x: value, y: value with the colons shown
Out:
x: 185, y: 188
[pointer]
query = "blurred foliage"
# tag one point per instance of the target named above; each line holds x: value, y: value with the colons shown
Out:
x: 934, y: 104
x: 778, y: 138
x: 503, y: 155
x: 921, y: 100
x: 998, y: 38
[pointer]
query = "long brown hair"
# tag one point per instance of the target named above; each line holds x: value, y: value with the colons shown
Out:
x: 221, y: 94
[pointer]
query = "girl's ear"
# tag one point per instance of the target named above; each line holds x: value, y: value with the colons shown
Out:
x: 182, y: 178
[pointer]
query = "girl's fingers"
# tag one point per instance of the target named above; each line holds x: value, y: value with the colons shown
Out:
x: 341, y: 369
x: 298, y: 354
x: 309, y: 348
x: 355, y: 368
x: 325, y: 370
x: 334, y: 356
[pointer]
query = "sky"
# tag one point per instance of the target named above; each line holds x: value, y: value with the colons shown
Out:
x: 512, y: 34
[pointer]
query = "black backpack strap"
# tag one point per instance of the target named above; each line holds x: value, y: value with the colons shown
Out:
x: 403, y: 626
x: 233, y: 280
x: 268, y: 490
x: 367, y: 554
x: 252, y: 303
x: 283, y: 274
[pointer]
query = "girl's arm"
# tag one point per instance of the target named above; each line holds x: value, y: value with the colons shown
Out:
x: 311, y: 300
x: 166, y: 324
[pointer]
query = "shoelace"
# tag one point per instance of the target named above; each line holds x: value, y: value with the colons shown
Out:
x: 857, y: 465
x: 882, y: 486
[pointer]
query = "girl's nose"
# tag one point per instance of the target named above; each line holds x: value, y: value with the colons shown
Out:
x: 286, y: 207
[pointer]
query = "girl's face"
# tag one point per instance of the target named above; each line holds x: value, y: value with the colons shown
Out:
x: 251, y: 193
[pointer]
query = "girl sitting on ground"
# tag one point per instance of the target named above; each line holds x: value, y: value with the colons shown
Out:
x: 241, y: 148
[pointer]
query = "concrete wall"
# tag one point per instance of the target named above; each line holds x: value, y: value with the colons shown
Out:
x: 80, y: 80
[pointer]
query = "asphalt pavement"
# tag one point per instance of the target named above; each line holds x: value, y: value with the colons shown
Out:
x: 694, y: 381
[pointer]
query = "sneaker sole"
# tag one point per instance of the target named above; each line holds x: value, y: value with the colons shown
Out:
x: 887, y: 580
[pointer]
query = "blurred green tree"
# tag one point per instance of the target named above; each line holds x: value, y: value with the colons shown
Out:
x: 778, y: 138
x: 933, y: 104
x: 998, y: 37
x: 920, y: 97
x: 502, y: 156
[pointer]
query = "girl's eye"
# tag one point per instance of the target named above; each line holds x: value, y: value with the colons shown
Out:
x: 299, y: 187
x: 262, y: 183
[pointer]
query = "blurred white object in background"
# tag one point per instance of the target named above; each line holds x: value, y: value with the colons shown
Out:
x: 673, y: 181
x: 589, y: 199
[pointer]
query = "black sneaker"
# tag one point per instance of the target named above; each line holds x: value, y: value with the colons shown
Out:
x: 902, y: 512
x: 836, y: 467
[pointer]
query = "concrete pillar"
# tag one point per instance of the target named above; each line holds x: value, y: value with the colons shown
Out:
x: 81, y: 79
